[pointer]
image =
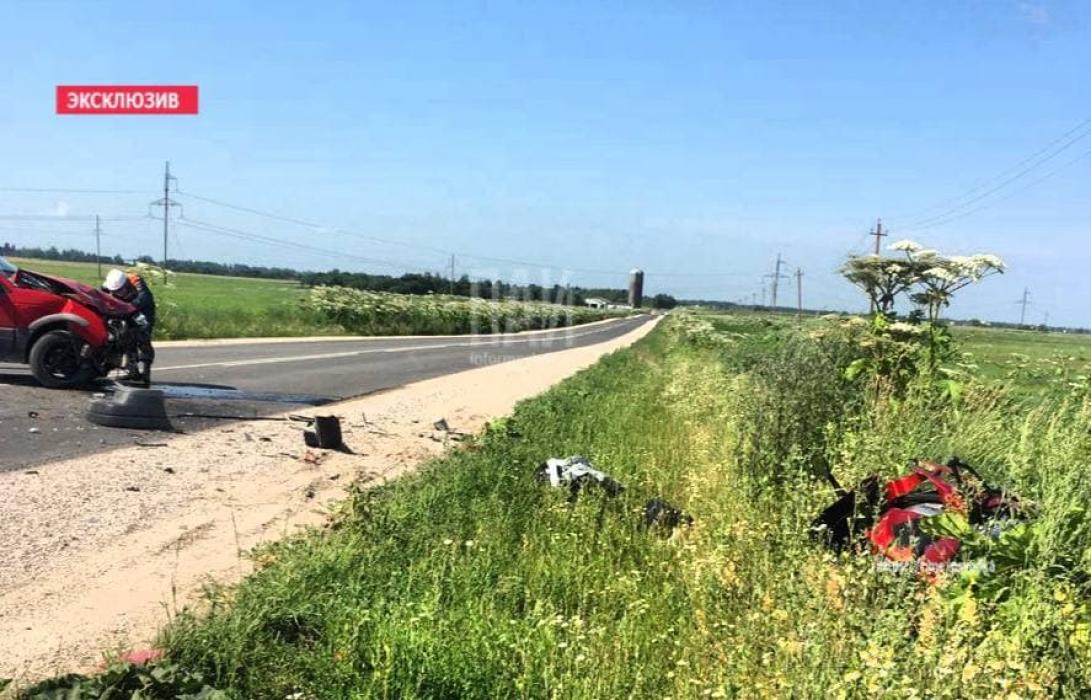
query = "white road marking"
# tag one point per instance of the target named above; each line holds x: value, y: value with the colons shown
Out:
x: 354, y: 353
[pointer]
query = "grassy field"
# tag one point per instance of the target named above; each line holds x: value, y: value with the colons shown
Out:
x: 1034, y: 359
x: 208, y: 306
x: 470, y: 579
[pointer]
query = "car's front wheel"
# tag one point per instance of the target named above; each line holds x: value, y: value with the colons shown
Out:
x: 56, y: 363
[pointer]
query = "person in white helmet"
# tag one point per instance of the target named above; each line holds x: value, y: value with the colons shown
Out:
x: 133, y: 289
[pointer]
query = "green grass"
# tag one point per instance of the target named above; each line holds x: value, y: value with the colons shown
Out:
x: 1033, y: 359
x: 470, y: 579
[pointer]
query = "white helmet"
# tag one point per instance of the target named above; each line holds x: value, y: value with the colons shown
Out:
x: 115, y: 280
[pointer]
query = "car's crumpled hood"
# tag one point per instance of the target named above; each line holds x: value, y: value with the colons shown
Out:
x: 96, y: 299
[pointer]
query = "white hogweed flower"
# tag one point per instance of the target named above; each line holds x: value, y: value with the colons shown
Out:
x: 941, y: 273
x: 906, y: 246
x: 907, y: 328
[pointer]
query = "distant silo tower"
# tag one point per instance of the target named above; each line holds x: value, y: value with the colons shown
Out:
x: 636, y: 288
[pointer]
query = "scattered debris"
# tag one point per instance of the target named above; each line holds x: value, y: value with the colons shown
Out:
x: 313, y: 457
x: 34, y: 431
x: 576, y: 472
x: 665, y: 515
x: 142, y: 656
x: 892, y: 519
x: 326, y: 433
x: 33, y: 414
x: 150, y: 444
x: 168, y: 470
x: 132, y: 488
x: 442, y: 425
x: 141, y: 409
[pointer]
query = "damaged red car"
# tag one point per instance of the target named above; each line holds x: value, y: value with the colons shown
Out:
x: 68, y: 332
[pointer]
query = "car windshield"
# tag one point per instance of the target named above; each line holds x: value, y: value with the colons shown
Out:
x: 7, y: 269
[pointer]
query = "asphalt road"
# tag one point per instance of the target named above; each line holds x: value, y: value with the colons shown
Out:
x: 212, y: 384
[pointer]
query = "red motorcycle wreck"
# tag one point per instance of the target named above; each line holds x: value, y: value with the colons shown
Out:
x: 68, y: 332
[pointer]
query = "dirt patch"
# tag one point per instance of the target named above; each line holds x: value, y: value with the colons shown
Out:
x: 99, y: 552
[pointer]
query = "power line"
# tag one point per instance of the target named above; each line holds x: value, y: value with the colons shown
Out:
x: 1038, y: 161
x: 54, y: 218
x: 444, y: 251
x: 923, y: 213
x: 1009, y: 195
x: 258, y: 238
x: 40, y: 231
x: 69, y: 190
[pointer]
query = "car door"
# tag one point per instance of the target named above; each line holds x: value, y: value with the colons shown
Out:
x: 8, y: 322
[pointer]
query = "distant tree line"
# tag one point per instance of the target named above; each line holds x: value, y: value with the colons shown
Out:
x: 204, y: 267
x: 68, y: 254
x: 409, y: 283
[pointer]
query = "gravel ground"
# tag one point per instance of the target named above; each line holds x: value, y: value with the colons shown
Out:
x: 99, y: 551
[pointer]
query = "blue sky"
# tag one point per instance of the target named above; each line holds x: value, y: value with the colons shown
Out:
x: 698, y: 138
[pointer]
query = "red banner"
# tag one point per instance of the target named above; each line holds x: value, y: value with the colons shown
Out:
x: 126, y: 99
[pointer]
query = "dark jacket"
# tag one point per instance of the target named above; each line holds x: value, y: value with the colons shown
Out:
x: 140, y: 296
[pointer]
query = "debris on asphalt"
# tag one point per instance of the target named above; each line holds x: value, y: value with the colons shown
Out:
x: 34, y: 431
x: 576, y: 473
x: 33, y: 414
x: 140, y: 409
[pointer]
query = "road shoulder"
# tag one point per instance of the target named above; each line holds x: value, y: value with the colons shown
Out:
x: 106, y: 548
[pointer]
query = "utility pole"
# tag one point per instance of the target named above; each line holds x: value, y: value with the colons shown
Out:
x: 98, y: 245
x: 877, y: 232
x: 166, y: 204
x: 1023, y: 303
x: 763, y: 294
x: 799, y: 291
x: 879, y: 235
x: 452, y: 287
x: 777, y: 276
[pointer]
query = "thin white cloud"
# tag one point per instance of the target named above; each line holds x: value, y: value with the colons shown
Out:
x: 1034, y: 13
x: 60, y: 208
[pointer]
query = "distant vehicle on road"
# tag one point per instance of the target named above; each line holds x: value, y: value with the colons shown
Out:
x: 68, y: 332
